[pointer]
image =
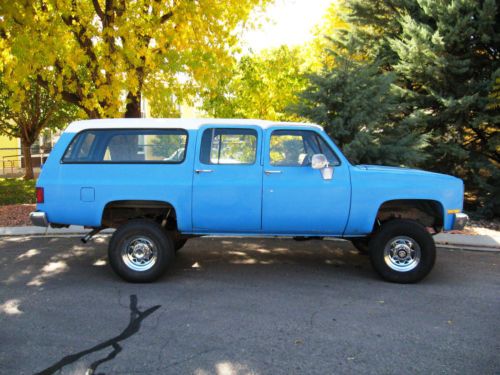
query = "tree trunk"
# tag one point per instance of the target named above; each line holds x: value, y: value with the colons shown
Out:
x: 28, y: 165
x: 133, y: 108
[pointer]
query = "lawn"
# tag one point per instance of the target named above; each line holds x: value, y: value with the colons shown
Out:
x: 16, y: 190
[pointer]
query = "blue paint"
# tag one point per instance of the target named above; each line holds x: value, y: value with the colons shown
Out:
x: 242, y: 199
x: 87, y: 194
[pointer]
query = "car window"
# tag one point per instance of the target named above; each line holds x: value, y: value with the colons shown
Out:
x: 295, y: 148
x: 80, y: 146
x: 122, y: 146
x: 228, y: 146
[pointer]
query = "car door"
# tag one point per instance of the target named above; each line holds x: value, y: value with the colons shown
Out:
x: 227, y: 181
x: 296, y: 198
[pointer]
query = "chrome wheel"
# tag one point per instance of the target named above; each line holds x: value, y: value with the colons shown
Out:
x: 402, y: 254
x: 139, y: 253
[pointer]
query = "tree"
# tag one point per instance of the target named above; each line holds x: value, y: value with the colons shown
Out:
x: 103, y: 55
x: 333, y: 23
x: 261, y: 86
x: 358, y: 105
x: 26, y: 112
x: 448, y: 61
x: 444, y: 58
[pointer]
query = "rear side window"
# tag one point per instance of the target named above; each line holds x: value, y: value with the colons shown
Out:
x: 228, y: 146
x: 127, y: 146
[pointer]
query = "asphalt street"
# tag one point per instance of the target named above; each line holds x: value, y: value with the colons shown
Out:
x: 244, y: 306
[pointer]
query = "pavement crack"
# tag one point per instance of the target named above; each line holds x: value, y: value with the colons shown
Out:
x: 311, y: 319
x: 134, y: 325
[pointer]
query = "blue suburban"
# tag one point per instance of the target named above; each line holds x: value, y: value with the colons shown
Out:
x: 161, y: 181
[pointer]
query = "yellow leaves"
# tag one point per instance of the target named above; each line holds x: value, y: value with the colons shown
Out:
x: 334, y: 22
x: 141, y: 49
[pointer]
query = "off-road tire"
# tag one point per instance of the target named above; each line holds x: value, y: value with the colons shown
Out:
x: 396, y: 232
x: 152, y: 234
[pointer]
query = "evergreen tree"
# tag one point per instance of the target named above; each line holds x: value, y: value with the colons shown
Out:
x: 448, y: 62
x: 357, y: 104
x: 445, y: 61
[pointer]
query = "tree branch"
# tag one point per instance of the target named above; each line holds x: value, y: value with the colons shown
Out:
x: 98, y: 10
x: 166, y: 17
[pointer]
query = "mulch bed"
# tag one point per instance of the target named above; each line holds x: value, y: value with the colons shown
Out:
x: 490, y: 224
x: 15, y: 215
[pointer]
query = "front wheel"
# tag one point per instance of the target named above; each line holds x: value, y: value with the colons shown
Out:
x: 140, y: 251
x: 402, y: 251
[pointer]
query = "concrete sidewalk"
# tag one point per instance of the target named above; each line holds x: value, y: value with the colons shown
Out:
x: 40, y: 231
x: 482, y: 242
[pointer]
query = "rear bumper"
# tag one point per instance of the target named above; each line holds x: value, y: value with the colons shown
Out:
x: 459, y: 221
x: 39, y: 219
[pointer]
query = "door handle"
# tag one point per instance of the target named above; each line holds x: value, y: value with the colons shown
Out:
x: 203, y: 170
x: 272, y: 172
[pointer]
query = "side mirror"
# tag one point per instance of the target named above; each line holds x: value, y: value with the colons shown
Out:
x: 319, y: 161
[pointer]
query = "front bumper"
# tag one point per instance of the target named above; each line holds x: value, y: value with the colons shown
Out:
x: 459, y: 221
x: 39, y: 219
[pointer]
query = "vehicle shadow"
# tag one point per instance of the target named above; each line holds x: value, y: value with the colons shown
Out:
x: 265, y: 254
x: 36, y: 261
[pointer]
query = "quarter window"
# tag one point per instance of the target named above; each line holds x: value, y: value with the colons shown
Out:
x: 295, y: 148
x: 127, y: 146
x: 228, y: 146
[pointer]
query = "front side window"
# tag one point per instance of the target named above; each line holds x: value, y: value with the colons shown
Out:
x: 127, y: 146
x: 295, y: 148
x: 228, y: 146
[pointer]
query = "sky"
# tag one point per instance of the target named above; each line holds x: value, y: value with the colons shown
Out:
x: 285, y: 22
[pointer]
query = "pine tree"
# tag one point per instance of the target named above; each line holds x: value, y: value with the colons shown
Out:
x: 445, y: 59
x: 357, y: 104
x: 448, y: 62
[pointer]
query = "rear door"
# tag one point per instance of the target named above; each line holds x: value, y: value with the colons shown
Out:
x: 227, y: 181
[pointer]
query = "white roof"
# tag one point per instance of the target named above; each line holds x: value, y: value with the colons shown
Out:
x: 182, y: 123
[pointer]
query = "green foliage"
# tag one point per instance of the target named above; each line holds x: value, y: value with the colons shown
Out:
x: 356, y: 103
x: 16, y: 191
x: 423, y: 80
x: 261, y: 86
x: 28, y: 110
x: 448, y: 62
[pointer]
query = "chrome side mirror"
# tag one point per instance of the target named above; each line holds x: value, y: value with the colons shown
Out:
x: 319, y: 161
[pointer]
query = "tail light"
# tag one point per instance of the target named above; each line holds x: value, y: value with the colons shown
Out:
x: 39, y: 195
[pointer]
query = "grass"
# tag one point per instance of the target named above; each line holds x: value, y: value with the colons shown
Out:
x: 16, y: 191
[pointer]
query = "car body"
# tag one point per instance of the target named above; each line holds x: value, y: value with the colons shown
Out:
x: 232, y: 177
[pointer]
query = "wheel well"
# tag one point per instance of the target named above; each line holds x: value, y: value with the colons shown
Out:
x: 427, y: 212
x: 118, y: 212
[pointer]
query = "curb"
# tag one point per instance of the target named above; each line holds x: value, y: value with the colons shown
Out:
x: 73, y: 230
x: 442, y: 240
x: 468, y: 242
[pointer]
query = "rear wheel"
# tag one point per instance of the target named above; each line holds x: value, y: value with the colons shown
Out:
x: 402, y: 251
x: 140, y: 251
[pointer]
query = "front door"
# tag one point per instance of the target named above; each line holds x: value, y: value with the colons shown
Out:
x: 227, y: 182
x: 296, y: 198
